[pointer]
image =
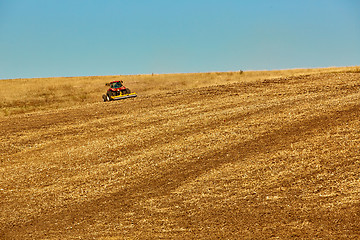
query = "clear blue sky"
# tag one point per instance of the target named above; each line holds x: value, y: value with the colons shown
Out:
x: 48, y: 38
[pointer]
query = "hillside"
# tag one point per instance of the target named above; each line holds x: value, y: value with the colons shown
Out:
x: 226, y: 157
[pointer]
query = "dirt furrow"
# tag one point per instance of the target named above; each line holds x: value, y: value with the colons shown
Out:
x: 274, y: 158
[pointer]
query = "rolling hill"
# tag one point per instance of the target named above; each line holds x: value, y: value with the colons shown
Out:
x: 195, y: 156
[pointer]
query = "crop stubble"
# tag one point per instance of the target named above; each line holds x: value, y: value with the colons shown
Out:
x: 262, y: 159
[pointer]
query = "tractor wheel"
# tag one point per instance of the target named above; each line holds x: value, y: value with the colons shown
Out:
x: 109, y: 94
x: 128, y: 91
x: 104, y: 97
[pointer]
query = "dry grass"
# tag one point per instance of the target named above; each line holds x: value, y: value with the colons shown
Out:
x: 252, y: 157
x: 29, y: 95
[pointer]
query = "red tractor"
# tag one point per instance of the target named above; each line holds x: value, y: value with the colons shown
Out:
x: 117, y: 91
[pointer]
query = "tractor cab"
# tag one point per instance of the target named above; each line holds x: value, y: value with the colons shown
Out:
x: 116, y: 84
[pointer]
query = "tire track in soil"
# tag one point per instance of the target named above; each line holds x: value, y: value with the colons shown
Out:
x: 167, y: 180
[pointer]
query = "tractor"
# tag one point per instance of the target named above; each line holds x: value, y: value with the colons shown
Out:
x: 117, y: 91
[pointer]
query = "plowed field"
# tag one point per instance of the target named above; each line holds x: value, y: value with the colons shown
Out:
x: 276, y: 158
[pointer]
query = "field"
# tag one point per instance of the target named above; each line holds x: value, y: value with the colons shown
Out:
x: 251, y: 155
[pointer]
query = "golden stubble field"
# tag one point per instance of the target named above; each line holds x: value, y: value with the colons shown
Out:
x: 257, y: 155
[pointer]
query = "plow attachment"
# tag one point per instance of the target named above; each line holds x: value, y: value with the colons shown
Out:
x: 118, y: 97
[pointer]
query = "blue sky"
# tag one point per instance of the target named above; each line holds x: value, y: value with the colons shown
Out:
x: 50, y: 38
